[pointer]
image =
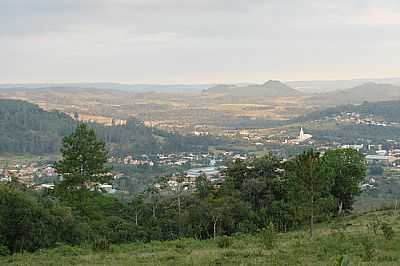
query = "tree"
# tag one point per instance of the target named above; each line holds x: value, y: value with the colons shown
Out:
x: 203, y: 186
x: 137, y: 205
x: 153, y: 195
x: 83, y: 163
x: 349, y: 170
x: 25, y: 224
x: 309, y: 185
x: 264, y: 183
x: 236, y: 173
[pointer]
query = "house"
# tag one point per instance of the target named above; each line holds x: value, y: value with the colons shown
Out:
x: 384, y: 159
x: 107, y: 188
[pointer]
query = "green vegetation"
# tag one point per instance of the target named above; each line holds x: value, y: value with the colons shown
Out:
x: 82, y: 167
x: 354, y: 133
x: 136, y: 178
x: 326, y: 129
x: 260, y: 199
x: 347, y: 240
x: 383, y: 195
x: 27, y: 129
x: 388, y: 111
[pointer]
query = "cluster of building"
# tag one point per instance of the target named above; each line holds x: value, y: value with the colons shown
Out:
x: 130, y: 160
x: 28, y: 174
x: 187, y: 181
x: 386, y: 157
x: 38, y: 176
x: 261, y: 137
x: 173, y: 159
x: 359, y: 119
x: 104, y: 120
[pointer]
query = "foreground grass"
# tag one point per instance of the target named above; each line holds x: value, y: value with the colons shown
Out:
x: 351, y: 237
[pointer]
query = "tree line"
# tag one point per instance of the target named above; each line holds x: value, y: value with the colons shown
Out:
x: 256, y: 193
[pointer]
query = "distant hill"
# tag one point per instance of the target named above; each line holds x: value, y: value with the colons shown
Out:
x: 26, y: 128
x: 168, y: 88
x: 271, y: 88
x: 322, y: 86
x: 371, y: 92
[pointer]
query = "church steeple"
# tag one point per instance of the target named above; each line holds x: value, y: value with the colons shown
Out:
x: 301, y: 135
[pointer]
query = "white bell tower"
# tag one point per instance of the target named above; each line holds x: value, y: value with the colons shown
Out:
x: 301, y: 135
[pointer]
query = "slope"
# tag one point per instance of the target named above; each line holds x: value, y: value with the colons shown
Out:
x: 271, y: 88
x: 372, y: 92
x: 348, y: 239
x: 26, y: 128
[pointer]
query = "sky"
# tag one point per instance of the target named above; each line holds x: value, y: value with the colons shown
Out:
x: 197, y: 41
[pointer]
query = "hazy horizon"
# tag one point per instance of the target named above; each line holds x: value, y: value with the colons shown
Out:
x: 365, y: 79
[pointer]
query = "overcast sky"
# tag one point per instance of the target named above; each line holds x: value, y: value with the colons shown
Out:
x: 197, y: 41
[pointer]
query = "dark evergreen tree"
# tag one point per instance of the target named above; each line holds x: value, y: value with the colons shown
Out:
x: 82, y: 167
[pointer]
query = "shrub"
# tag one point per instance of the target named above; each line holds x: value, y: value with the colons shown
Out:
x: 268, y: 236
x: 224, y: 242
x: 25, y: 224
x: 4, y: 251
x: 374, y: 225
x: 66, y: 250
x: 368, y: 249
x: 387, y: 231
x: 101, y: 244
x: 183, y: 248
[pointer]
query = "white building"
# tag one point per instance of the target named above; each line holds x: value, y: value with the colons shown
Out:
x: 302, y: 137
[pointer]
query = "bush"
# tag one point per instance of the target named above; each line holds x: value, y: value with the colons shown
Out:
x: 368, y: 249
x: 101, y: 244
x: 66, y: 250
x: 375, y: 225
x: 25, y: 224
x: 183, y: 248
x: 224, y: 242
x: 387, y: 231
x: 268, y: 236
x: 4, y: 251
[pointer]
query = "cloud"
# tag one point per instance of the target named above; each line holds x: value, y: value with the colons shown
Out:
x: 378, y: 16
x: 158, y: 40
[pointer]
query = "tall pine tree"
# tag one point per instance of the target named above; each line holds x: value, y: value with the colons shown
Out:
x: 83, y: 164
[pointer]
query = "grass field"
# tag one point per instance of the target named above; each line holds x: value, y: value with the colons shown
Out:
x: 352, y: 238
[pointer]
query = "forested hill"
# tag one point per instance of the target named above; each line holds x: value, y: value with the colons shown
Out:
x: 387, y: 111
x: 26, y: 128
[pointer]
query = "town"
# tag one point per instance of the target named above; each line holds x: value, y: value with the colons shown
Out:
x: 189, y: 166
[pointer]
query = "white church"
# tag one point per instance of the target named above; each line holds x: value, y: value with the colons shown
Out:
x: 302, y: 137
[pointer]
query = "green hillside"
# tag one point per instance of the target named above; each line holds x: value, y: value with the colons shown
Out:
x: 350, y: 240
x: 27, y: 129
